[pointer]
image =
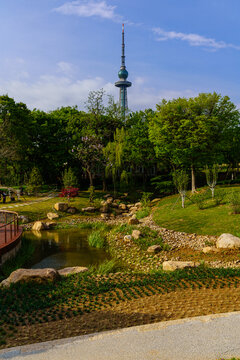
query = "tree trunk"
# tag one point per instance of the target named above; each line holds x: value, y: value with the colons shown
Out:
x: 90, y: 177
x: 193, y: 179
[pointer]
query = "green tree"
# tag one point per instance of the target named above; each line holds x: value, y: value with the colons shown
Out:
x: 192, y: 132
x: 69, y: 178
x: 35, y: 181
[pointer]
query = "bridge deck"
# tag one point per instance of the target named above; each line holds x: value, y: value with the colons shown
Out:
x: 7, y: 235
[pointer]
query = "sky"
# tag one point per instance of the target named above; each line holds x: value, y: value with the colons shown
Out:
x: 53, y: 52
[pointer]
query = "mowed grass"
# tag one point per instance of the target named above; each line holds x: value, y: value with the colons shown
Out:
x: 38, y: 210
x: 212, y: 220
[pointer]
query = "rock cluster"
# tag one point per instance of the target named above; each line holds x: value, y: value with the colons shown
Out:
x: 40, y: 275
x: 40, y: 225
x: 111, y: 208
x: 174, y: 265
x: 64, y: 207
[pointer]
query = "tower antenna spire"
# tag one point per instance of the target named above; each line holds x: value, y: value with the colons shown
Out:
x: 122, y: 83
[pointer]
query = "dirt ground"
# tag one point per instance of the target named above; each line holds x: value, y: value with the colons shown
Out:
x: 174, y: 305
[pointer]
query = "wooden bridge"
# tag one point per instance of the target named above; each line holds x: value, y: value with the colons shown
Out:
x: 10, y: 234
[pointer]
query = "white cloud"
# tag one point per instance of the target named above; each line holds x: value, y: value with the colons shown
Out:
x: 65, y: 68
x: 88, y: 8
x: 49, y: 92
x: 193, y: 39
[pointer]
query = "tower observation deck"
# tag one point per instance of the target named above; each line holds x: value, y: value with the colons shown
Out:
x: 122, y: 83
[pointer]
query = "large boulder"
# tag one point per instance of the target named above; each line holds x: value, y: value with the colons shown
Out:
x: 154, y: 249
x: 174, y: 265
x: 228, y: 241
x: 39, y: 226
x: 52, y: 216
x: 61, y: 206
x: 26, y: 275
x: 72, y: 270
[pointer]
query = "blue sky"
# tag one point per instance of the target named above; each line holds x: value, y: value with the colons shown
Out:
x: 53, y: 52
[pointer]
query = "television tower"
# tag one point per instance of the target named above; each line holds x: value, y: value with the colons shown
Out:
x: 122, y: 83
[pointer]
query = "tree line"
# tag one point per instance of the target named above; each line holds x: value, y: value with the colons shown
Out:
x: 100, y: 144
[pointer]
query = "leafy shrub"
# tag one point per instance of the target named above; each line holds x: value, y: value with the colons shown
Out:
x: 220, y: 197
x: 91, y: 191
x: 200, y: 199
x: 35, y: 181
x: 163, y: 185
x: 234, y: 201
x: 69, y: 179
x: 145, y: 199
x: 140, y: 214
x: 96, y: 239
x: 107, y: 267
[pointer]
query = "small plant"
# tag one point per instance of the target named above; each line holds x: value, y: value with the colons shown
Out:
x: 200, y: 199
x: 97, y: 240
x: 211, y: 176
x: 107, y: 267
x: 234, y: 201
x: 145, y: 199
x: 180, y: 179
x: 142, y: 213
x: 69, y: 179
x: 219, y: 197
x: 91, y: 191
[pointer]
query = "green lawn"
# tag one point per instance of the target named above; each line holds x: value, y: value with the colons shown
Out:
x: 212, y: 220
x: 39, y: 210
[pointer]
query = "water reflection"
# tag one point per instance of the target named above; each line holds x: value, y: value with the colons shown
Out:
x: 63, y: 248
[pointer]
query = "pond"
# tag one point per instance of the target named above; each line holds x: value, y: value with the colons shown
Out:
x: 63, y: 248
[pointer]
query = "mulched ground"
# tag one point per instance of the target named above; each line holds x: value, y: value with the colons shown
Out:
x: 163, y: 307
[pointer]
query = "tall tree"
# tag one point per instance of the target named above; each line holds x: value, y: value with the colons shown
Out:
x: 192, y: 132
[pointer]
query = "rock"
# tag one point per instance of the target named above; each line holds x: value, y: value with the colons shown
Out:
x: 52, y: 216
x: 138, y: 204
x: 72, y: 270
x: 24, y: 219
x: 154, y: 201
x: 50, y: 224
x: 39, y: 226
x: 133, y: 209
x: 105, y: 208
x: 209, y: 249
x: 89, y: 209
x: 71, y: 210
x: 127, y: 238
x: 104, y: 216
x: 122, y: 206
x: 136, y: 234
x: 174, y: 265
x: 26, y: 275
x: 228, y: 241
x: 106, y: 196
x: 109, y: 200
x: 61, y: 206
x: 133, y: 221
x: 154, y: 249
x: 130, y: 205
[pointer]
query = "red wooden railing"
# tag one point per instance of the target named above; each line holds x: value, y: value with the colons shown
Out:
x: 9, y: 227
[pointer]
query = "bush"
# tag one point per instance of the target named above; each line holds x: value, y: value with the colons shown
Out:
x: 107, y: 267
x: 140, y: 214
x: 220, y: 197
x: 35, y: 181
x: 96, y: 239
x: 69, y: 179
x: 145, y: 199
x: 200, y: 199
x: 234, y: 201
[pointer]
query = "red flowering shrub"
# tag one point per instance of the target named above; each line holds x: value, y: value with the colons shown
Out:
x: 69, y: 192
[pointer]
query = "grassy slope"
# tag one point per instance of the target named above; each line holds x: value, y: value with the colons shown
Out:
x: 210, y: 221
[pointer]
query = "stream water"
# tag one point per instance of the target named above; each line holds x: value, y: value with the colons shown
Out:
x: 63, y: 248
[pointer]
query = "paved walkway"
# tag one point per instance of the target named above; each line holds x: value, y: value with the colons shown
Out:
x: 201, y: 338
x: 14, y: 206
